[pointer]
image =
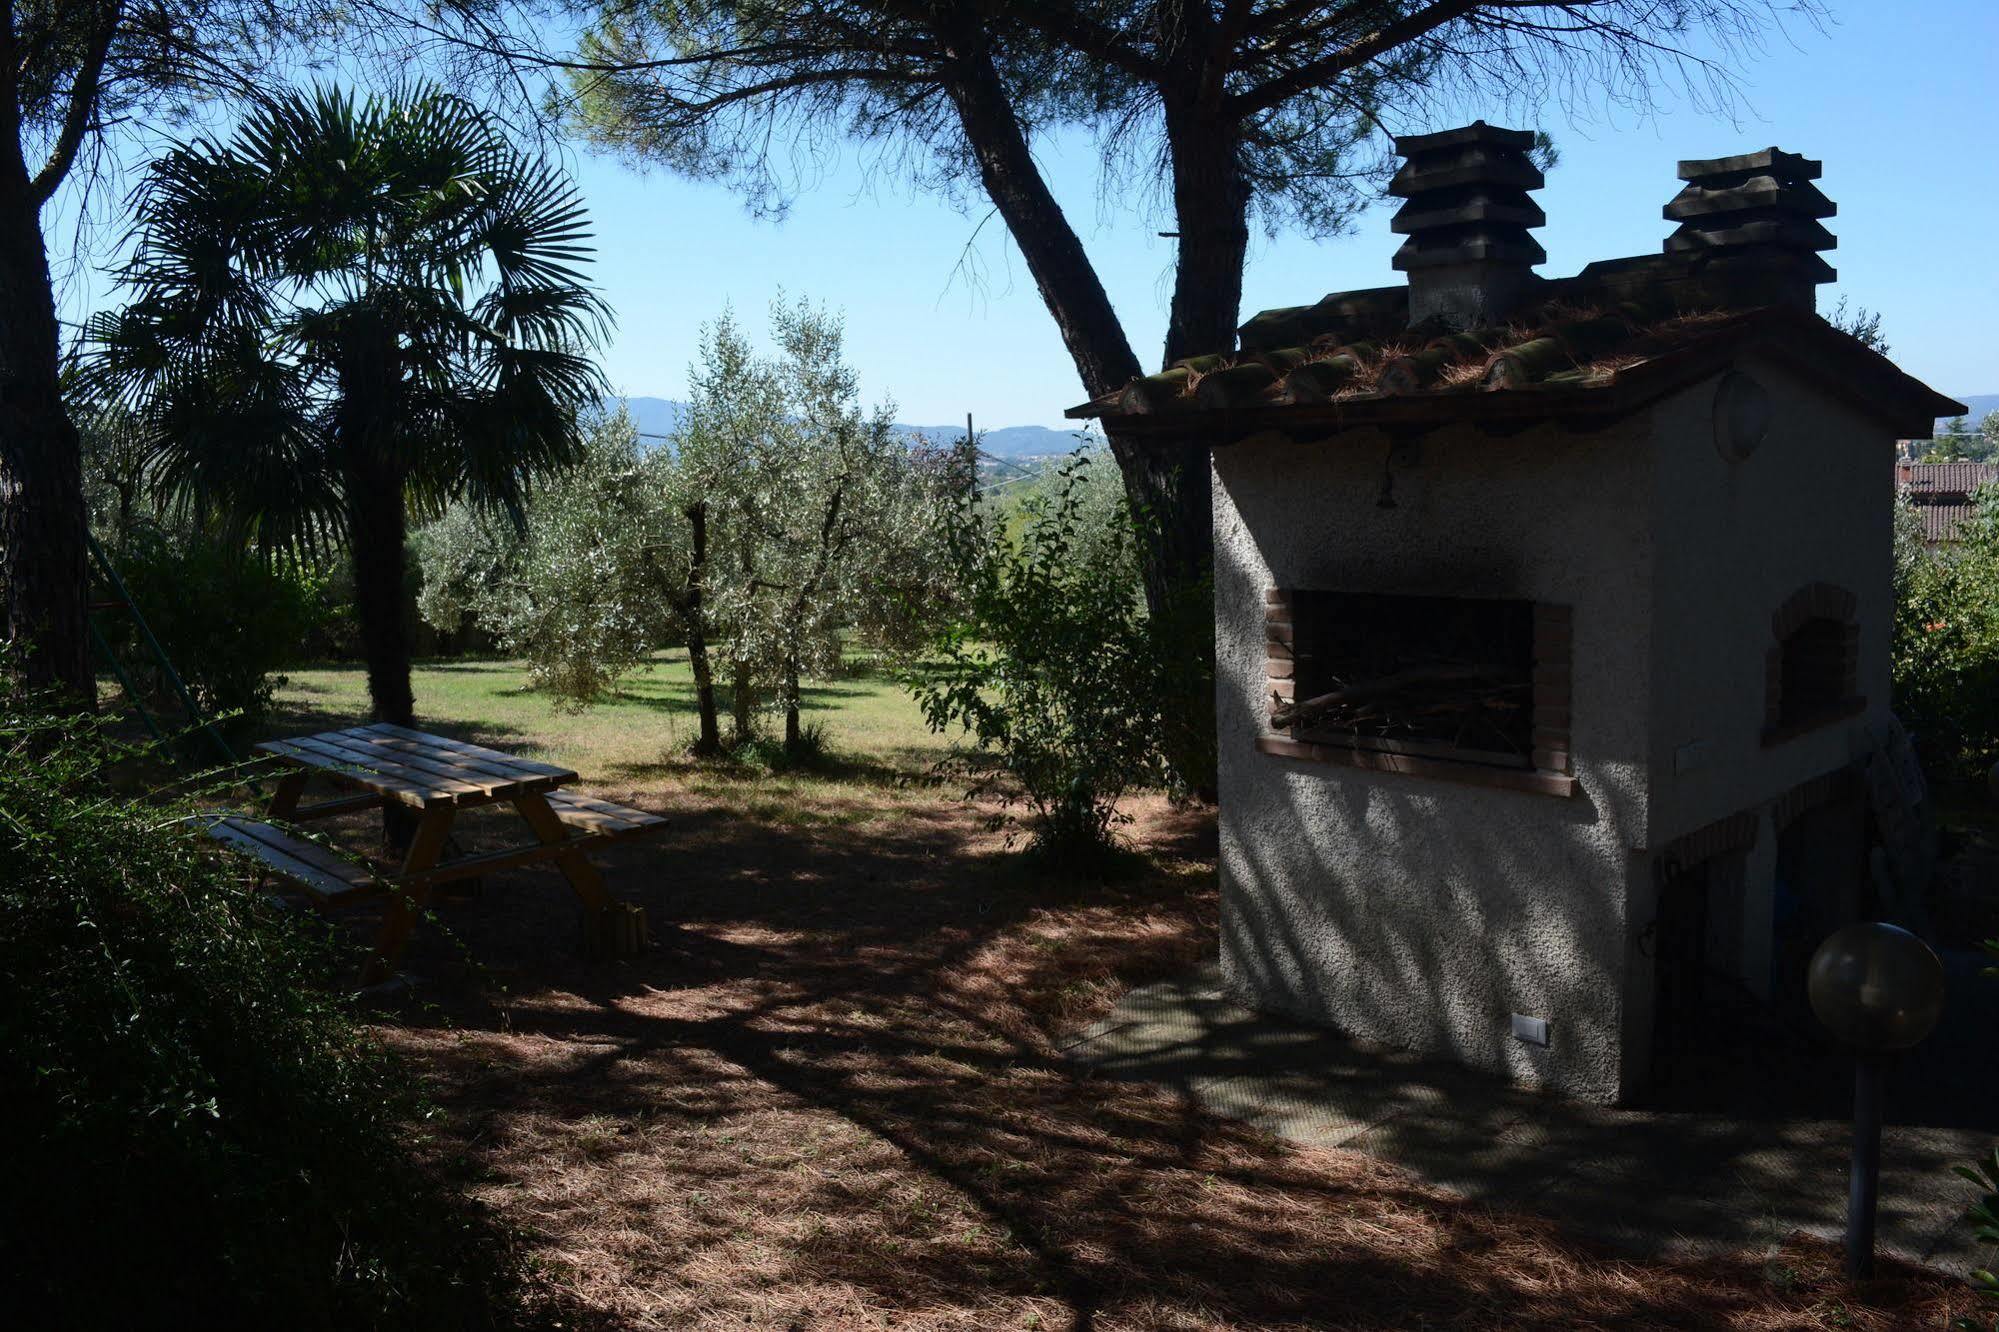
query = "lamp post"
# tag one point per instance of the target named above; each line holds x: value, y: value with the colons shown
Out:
x: 1878, y: 989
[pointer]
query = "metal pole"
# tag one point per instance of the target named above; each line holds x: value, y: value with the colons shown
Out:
x: 193, y: 713
x: 124, y: 681
x: 1864, y: 1185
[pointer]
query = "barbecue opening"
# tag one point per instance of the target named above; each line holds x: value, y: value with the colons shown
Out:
x: 1451, y: 677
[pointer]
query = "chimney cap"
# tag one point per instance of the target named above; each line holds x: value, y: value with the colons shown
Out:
x: 1477, y: 132
x: 1749, y: 225
x: 1468, y: 254
x: 1772, y: 161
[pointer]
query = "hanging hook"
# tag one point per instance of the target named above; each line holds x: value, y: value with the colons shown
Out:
x: 1386, y: 499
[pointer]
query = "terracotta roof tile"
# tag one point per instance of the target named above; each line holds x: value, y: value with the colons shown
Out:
x: 1557, y: 359
x: 1952, y: 478
x: 1941, y: 517
x: 1943, y: 494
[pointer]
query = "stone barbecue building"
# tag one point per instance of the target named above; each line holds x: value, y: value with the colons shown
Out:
x: 1552, y: 621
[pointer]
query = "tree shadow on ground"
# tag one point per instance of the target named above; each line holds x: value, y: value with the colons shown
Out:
x: 904, y: 768
x: 678, y: 696
x: 831, y: 1096
x: 287, y: 719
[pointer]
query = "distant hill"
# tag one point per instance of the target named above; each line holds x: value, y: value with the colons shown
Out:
x: 1012, y: 441
x: 656, y: 416
x: 662, y: 416
x: 1979, y: 403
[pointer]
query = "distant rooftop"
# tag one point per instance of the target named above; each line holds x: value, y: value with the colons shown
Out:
x: 1942, y: 493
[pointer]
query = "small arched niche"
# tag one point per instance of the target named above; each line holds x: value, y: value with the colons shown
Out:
x: 1813, y: 664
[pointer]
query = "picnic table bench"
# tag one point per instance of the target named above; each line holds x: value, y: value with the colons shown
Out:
x: 437, y: 777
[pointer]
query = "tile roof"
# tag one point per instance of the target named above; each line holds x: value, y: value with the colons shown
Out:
x: 1941, y: 518
x: 1345, y: 362
x: 1476, y: 336
x: 1951, y: 478
x: 1942, y: 494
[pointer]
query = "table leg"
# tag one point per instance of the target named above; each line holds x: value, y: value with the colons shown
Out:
x: 284, y: 800
x: 575, y: 866
x: 611, y: 929
x: 408, y: 900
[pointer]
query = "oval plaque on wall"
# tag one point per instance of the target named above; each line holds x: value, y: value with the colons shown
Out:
x: 1741, y: 415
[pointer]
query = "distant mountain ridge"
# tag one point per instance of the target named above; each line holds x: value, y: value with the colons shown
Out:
x: 663, y: 416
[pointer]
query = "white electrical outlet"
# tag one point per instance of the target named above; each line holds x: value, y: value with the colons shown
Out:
x: 1530, y: 1030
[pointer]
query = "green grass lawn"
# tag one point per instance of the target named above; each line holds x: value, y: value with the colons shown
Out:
x: 638, y: 739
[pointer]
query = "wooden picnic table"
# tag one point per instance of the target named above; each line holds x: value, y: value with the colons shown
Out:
x: 436, y: 777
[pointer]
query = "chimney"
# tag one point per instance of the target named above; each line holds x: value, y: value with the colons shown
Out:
x: 1469, y: 258
x: 1749, y: 226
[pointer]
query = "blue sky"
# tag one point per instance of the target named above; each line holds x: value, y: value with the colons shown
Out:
x: 1897, y: 99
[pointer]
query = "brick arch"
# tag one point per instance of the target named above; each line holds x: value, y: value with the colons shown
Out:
x: 1829, y: 660
x: 1814, y: 601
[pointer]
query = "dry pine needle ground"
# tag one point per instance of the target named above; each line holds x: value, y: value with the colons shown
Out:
x: 830, y: 1099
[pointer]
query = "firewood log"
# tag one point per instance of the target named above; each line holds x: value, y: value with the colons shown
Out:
x: 1309, y: 710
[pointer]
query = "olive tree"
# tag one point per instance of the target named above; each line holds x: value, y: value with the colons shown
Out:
x: 824, y: 509
x: 574, y: 591
x: 782, y: 518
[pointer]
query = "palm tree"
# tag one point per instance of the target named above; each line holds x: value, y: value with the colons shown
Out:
x: 343, y: 318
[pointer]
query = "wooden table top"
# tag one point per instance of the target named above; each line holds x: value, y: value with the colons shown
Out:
x: 417, y: 768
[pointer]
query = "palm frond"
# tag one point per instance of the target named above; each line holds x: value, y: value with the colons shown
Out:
x: 400, y: 238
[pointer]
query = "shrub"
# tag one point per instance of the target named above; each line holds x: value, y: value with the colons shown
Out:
x: 197, y: 1132
x: 1050, y: 665
x: 1983, y: 1215
x: 227, y: 620
x: 1945, y: 645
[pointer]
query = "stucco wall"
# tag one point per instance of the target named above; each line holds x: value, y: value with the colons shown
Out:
x: 1813, y: 503
x: 1412, y: 910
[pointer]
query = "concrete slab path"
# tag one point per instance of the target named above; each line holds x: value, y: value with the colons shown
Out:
x: 1646, y: 1182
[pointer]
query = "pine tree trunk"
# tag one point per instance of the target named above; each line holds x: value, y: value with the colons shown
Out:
x: 1171, y: 486
x: 695, y: 615
x: 1211, y: 205
x: 1168, y: 486
x: 44, y: 574
x: 1055, y: 256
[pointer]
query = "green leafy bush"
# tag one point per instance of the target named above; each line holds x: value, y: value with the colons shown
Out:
x: 1945, y: 645
x: 198, y: 1133
x: 1050, y: 665
x: 1984, y: 1219
x: 228, y: 620
x: 1983, y: 1215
